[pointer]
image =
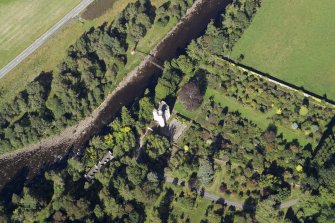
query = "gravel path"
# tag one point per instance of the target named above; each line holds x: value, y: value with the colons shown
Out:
x: 289, y: 203
x: 236, y: 204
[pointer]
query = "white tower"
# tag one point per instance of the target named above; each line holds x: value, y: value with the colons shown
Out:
x: 162, y: 114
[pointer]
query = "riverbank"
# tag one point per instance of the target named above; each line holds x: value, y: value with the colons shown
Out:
x: 52, y: 149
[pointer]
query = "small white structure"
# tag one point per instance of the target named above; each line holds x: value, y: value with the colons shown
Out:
x: 162, y: 114
x: 108, y: 157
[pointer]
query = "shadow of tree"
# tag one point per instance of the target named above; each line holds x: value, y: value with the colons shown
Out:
x: 163, y: 209
x: 249, y: 206
x: 13, y: 186
x: 326, y: 134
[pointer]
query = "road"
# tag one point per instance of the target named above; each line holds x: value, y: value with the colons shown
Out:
x: 236, y: 204
x: 35, y: 45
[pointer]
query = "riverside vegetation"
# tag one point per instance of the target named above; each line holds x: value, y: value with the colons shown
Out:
x: 247, y: 140
x: 93, y: 67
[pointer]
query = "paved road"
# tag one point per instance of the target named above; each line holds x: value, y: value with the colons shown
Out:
x: 214, y: 197
x: 240, y: 205
x: 73, y: 13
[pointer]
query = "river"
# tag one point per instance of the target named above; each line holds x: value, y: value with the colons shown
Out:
x: 16, y: 168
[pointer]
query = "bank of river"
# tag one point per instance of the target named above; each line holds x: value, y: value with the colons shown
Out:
x: 98, y: 8
x: 27, y: 162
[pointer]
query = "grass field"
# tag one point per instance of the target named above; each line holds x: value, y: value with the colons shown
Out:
x: 22, y: 22
x: 293, y: 41
x: 53, y: 51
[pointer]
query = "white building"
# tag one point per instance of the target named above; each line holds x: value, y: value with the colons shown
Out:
x: 162, y: 114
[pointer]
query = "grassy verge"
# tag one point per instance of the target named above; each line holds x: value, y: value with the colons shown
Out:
x: 179, y: 107
x: 195, y: 214
x: 25, y: 21
x: 293, y: 41
x: 151, y: 39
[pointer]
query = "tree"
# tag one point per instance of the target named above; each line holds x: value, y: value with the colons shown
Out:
x: 267, y: 211
x: 167, y: 85
x: 146, y: 108
x: 156, y: 145
x: 206, y: 171
x: 75, y: 209
x: 99, y: 213
x: 269, y: 136
x: 127, y: 119
x: 136, y: 173
x: 152, y: 177
x: 191, y: 96
x: 75, y: 169
x: 269, y: 181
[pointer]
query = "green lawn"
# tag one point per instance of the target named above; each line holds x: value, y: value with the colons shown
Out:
x: 179, y: 107
x: 22, y: 22
x: 195, y: 214
x: 214, y: 187
x: 149, y: 41
x: 262, y: 120
x: 293, y: 40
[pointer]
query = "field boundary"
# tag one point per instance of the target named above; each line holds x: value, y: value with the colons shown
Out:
x: 44, y: 37
x: 317, y: 98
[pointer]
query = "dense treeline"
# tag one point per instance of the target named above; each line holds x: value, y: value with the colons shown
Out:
x: 319, y: 203
x: 222, y: 34
x: 93, y: 67
x: 121, y: 192
x: 28, y: 117
x: 260, y: 165
x: 221, y: 151
x: 126, y: 189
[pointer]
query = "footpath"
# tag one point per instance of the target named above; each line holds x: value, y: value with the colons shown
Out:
x: 236, y: 204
